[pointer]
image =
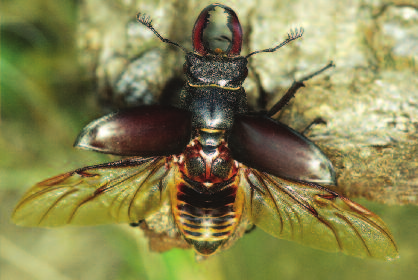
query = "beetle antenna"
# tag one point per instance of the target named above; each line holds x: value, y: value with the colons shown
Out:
x: 146, y: 20
x: 297, y: 33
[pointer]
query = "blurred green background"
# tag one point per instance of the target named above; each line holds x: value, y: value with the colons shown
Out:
x: 44, y: 104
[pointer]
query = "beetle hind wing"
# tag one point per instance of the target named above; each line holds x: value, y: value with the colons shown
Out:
x: 315, y: 216
x: 117, y: 192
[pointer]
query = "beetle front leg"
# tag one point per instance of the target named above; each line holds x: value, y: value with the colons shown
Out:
x: 294, y: 88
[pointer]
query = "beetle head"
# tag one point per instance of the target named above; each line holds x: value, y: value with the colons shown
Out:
x: 217, y: 31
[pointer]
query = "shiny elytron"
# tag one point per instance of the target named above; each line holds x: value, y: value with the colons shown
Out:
x: 205, y: 171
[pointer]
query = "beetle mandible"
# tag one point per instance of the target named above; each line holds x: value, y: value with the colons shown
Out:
x: 206, y: 170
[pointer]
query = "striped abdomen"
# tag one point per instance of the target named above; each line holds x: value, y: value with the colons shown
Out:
x: 206, y: 216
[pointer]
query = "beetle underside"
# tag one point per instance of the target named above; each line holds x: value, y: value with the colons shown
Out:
x: 206, y: 171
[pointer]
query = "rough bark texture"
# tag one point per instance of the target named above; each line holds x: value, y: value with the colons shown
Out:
x: 369, y: 101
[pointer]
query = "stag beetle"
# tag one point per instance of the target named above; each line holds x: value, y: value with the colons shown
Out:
x: 206, y: 170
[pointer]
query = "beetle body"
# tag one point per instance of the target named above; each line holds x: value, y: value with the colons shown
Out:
x: 214, y: 92
x: 220, y: 170
x: 204, y: 202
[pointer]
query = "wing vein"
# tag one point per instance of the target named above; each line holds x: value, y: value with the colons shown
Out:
x: 106, y: 187
x: 349, y: 223
x: 288, y: 205
x: 158, y: 165
x: 54, y: 204
x: 259, y: 176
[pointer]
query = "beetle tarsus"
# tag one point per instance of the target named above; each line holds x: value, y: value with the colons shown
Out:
x: 251, y: 229
x: 316, y: 121
x: 137, y: 224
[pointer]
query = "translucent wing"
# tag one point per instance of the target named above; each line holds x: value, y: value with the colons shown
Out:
x: 117, y: 192
x: 314, y: 216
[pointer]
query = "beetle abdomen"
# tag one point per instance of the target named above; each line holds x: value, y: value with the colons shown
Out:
x: 206, y: 219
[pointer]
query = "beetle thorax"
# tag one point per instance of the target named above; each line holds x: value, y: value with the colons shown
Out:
x: 215, y: 70
x: 214, y: 92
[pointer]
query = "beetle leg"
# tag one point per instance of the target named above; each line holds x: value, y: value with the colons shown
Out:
x: 317, y: 120
x: 294, y: 88
x: 262, y: 93
x: 253, y: 227
x: 138, y: 224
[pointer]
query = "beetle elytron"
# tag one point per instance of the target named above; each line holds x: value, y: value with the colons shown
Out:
x: 206, y: 170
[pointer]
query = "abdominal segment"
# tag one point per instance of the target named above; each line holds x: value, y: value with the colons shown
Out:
x: 206, y: 207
